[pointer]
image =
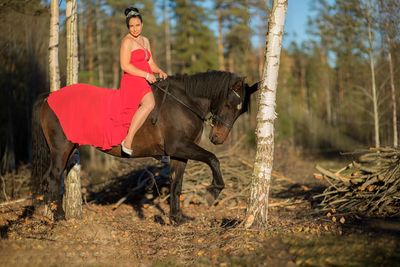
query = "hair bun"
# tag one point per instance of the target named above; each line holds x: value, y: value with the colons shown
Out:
x: 129, y: 9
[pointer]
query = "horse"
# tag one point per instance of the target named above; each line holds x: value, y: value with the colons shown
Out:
x: 173, y: 129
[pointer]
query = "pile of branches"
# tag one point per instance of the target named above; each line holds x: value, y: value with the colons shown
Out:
x: 369, y: 186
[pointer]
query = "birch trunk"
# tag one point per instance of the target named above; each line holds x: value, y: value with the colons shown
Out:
x: 54, y: 70
x: 373, y: 84
x: 257, y: 212
x: 72, y: 200
x: 72, y: 42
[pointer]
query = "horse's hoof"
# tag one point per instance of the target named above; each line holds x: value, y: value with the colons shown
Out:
x: 212, y: 195
x: 209, y: 198
x: 179, y: 219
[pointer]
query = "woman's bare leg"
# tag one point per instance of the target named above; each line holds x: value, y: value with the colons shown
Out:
x: 146, y: 106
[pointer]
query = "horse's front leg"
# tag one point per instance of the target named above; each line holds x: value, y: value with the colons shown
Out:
x: 194, y: 152
x: 177, y: 169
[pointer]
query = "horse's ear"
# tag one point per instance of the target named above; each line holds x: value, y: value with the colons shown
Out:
x: 251, y: 89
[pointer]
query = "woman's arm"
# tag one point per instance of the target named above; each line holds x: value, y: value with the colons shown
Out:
x: 124, y: 57
x: 153, y: 64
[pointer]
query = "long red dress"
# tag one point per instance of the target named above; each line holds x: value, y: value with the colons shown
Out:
x: 101, y: 117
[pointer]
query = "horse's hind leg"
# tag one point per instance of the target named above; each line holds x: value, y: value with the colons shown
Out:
x: 60, y: 150
x: 177, y: 169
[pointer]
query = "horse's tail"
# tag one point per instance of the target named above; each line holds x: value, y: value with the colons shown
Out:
x: 40, y: 152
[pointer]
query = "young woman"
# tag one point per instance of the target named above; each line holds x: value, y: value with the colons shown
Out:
x: 137, y: 63
x: 103, y: 117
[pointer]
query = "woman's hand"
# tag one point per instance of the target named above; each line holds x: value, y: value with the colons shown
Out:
x: 163, y: 75
x: 150, y: 78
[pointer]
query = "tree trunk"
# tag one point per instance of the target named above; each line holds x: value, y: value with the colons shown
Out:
x: 90, y: 66
x: 115, y: 53
x: 221, y: 59
x: 326, y: 85
x: 231, y: 63
x: 257, y: 212
x: 81, y: 39
x: 99, y: 49
x: 393, y: 93
x: 54, y: 70
x: 72, y: 42
x: 168, y: 58
x: 90, y: 44
x: 72, y: 200
x: 373, y: 84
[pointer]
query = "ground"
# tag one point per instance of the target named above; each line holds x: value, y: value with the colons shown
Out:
x: 138, y: 232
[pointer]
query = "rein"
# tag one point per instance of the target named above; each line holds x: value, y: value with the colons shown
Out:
x: 211, y: 119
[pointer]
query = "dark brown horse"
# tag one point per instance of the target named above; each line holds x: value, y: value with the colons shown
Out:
x: 173, y: 129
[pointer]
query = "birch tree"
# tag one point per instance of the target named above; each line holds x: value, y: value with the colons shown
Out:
x: 72, y: 201
x: 257, y: 212
x: 72, y: 42
x: 372, y: 67
x: 54, y: 69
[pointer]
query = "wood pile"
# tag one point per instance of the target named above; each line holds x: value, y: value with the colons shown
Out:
x: 367, y: 187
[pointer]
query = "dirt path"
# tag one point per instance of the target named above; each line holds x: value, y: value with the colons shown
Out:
x: 138, y: 232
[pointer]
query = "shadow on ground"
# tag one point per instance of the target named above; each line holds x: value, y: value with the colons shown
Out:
x: 136, y: 188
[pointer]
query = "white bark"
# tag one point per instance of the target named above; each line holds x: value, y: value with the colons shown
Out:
x: 72, y: 42
x: 72, y: 200
x: 257, y: 213
x: 54, y: 71
x: 373, y: 84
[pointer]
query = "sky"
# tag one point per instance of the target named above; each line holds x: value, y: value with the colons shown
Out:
x: 296, y: 21
x: 295, y: 24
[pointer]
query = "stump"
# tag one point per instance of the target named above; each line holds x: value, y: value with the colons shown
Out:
x: 72, y: 200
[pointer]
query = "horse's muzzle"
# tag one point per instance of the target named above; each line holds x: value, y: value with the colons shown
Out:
x: 216, y: 140
x: 218, y: 135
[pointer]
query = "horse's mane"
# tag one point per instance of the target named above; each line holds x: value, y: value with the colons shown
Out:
x: 213, y: 85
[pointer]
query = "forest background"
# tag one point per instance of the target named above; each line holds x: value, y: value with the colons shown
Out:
x: 325, y: 101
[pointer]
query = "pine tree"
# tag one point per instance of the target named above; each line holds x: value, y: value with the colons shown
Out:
x: 195, y: 44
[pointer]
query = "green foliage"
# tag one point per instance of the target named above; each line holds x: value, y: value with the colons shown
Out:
x: 323, y: 97
x: 195, y: 45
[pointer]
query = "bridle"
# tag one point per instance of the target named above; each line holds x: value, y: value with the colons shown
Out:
x: 210, y: 119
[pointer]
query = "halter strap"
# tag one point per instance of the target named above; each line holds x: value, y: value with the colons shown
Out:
x: 212, y: 118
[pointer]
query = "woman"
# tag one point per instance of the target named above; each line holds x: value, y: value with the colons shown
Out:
x: 103, y: 117
x: 137, y: 63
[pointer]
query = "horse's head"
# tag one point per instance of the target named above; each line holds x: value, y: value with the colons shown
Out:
x: 235, y: 104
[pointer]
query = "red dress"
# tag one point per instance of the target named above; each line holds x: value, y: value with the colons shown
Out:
x: 101, y: 117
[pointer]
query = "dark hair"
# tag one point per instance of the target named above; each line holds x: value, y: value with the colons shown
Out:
x: 132, y: 12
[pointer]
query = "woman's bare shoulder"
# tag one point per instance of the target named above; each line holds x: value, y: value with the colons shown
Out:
x: 146, y: 41
x: 126, y: 41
